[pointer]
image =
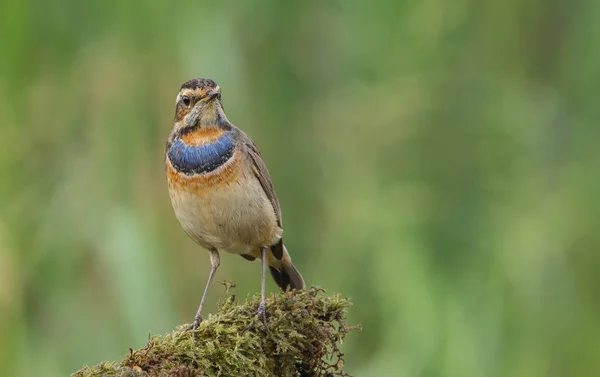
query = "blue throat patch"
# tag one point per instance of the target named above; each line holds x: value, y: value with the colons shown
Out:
x: 191, y: 159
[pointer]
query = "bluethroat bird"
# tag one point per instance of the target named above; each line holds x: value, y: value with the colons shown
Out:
x: 221, y: 190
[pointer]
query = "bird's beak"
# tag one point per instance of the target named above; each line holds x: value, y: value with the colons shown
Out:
x: 210, y: 96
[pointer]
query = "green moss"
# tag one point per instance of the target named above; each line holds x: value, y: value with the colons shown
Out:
x: 304, y: 331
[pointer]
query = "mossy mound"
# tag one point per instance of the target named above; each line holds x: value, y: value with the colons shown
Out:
x: 304, y: 331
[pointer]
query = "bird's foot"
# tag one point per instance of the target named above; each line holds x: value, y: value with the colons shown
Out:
x: 195, y: 324
x: 261, y: 312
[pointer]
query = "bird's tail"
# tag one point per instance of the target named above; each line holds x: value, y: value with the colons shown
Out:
x: 285, y: 273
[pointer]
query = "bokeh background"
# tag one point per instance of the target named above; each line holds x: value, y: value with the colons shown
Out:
x: 436, y: 161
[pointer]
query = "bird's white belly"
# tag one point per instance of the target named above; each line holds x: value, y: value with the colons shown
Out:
x: 233, y: 215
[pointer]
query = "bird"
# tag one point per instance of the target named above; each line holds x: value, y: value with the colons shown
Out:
x: 221, y: 190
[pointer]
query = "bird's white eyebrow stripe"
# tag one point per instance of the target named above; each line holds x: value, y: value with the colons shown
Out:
x: 192, y: 92
x: 180, y: 94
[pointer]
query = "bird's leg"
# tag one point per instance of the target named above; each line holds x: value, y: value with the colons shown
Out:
x: 262, y: 307
x: 215, y: 261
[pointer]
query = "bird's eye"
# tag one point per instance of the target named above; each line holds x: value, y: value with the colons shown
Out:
x: 186, y: 100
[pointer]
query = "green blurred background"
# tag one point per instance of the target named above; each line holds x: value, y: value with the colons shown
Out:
x: 436, y: 161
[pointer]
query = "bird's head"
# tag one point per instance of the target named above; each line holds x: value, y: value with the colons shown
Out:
x: 198, y: 105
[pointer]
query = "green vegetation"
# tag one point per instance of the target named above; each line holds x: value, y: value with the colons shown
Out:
x: 302, y: 339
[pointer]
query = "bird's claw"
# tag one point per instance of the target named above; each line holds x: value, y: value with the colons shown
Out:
x: 261, y: 312
x: 195, y: 324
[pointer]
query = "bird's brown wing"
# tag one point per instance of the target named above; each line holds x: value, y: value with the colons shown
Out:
x: 262, y: 174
